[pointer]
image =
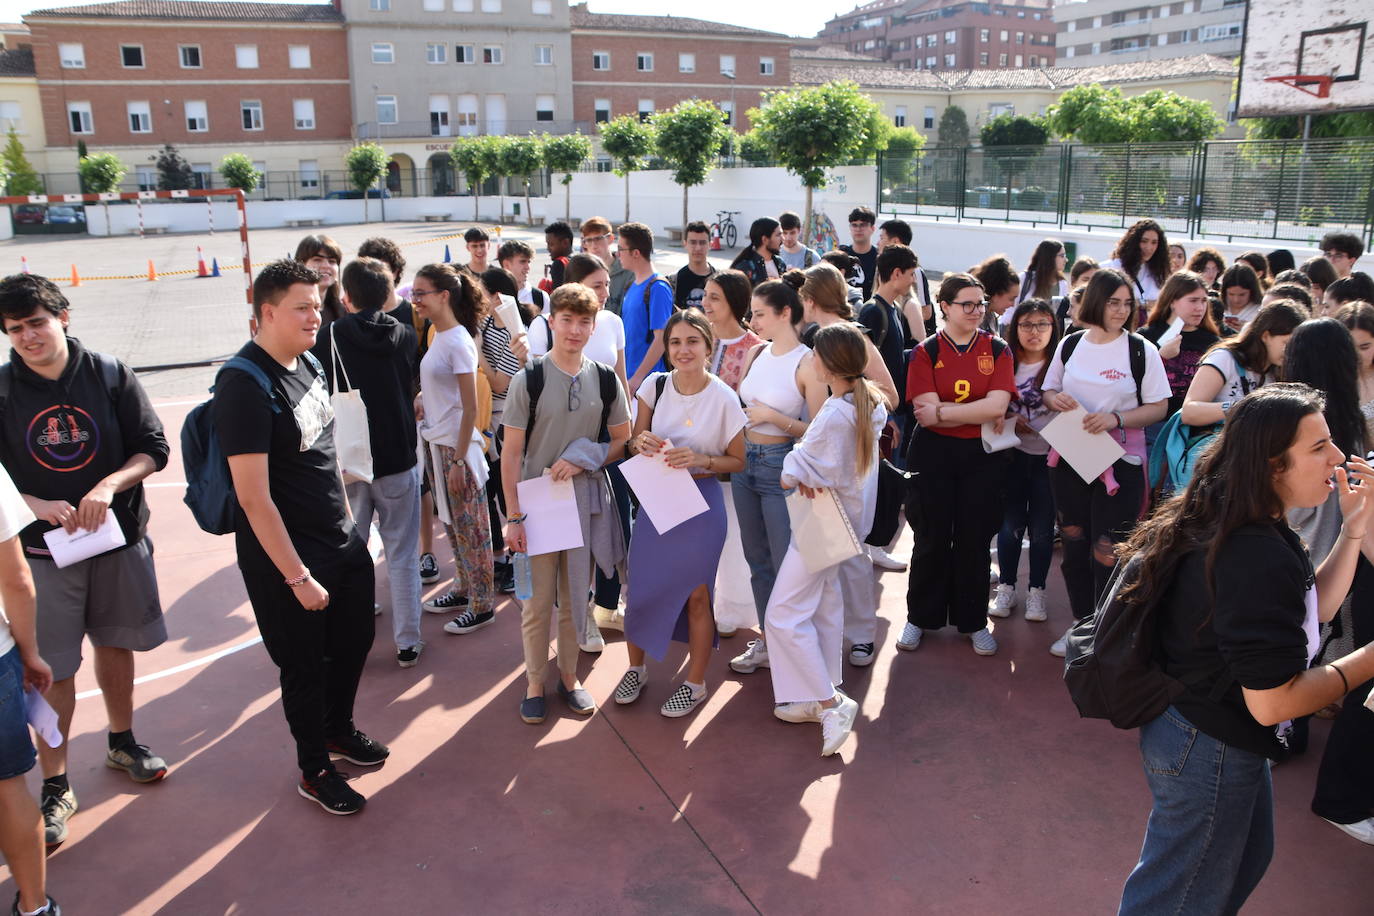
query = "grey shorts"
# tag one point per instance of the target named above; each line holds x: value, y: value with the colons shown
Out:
x: 110, y: 598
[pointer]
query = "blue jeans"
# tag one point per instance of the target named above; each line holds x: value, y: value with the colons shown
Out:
x: 17, y: 753
x: 1211, y: 831
x: 396, y: 499
x: 1029, y: 507
x: 761, y: 507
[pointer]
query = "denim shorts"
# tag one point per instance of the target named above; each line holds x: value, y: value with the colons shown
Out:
x: 17, y: 753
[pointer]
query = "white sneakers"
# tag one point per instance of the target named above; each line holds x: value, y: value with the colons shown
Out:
x: 595, y: 642
x: 801, y: 711
x: 884, y: 560
x: 983, y: 642
x: 1003, y: 601
x: 1060, y: 647
x: 752, y: 658
x: 1035, y: 605
x: 836, y: 724
x: 910, y: 638
x: 1360, y: 830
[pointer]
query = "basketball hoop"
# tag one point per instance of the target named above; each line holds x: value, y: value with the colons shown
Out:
x: 1319, y: 86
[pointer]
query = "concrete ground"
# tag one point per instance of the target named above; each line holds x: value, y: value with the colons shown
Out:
x: 970, y: 785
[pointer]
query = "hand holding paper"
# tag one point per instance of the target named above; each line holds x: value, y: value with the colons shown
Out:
x: 996, y: 442
x: 667, y: 494
x: 81, y: 544
x: 1090, y: 454
x: 551, y: 518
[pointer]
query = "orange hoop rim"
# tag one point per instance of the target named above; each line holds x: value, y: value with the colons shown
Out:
x: 1301, y: 83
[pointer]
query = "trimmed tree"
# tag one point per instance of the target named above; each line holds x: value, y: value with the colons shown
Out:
x: 173, y: 172
x: 818, y: 128
x: 752, y: 149
x: 366, y: 164
x: 102, y: 173
x: 688, y: 136
x: 1093, y: 114
x: 521, y: 158
x: 238, y: 172
x: 20, y: 175
x: 471, y: 158
x: 627, y: 140
x: 1013, y: 142
x: 953, y: 129
x: 566, y: 154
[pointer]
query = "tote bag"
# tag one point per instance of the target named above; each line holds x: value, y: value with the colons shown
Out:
x: 352, y: 439
x: 821, y: 530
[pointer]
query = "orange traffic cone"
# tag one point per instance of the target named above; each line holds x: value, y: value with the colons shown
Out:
x: 23, y: 264
x: 152, y: 272
x: 201, y: 269
x: 76, y: 277
x: 715, y: 243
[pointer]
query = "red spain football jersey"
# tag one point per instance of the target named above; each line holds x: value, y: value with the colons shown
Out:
x: 961, y: 377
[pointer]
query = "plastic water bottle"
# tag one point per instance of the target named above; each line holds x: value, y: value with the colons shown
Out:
x: 524, y: 581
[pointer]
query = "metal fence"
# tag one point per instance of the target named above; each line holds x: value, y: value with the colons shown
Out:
x: 1290, y: 190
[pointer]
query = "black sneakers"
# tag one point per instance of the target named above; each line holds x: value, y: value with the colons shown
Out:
x: 468, y: 621
x: 503, y: 575
x: 358, y: 748
x: 429, y: 569
x: 446, y: 603
x: 52, y: 910
x: 408, y: 656
x: 57, y: 809
x: 330, y: 791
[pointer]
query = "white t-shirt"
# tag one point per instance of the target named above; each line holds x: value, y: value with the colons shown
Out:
x: 1145, y: 288
x: 453, y: 352
x: 15, y: 516
x: 1232, y: 388
x: 1099, y: 376
x: 705, y: 422
x: 1246, y: 315
x: 606, y: 343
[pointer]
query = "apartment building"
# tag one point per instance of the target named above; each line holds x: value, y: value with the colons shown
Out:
x: 949, y: 34
x: 1095, y: 32
x: 212, y: 78
x: 20, y: 108
x: 627, y: 64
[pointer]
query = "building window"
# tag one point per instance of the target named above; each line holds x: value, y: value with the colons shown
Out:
x: 644, y: 62
x: 951, y: 37
x: 467, y: 115
x: 1001, y: 60
x: 436, y: 52
x: 491, y: 6
x: 379, y: 6
x: 433, y: 6
x: 1020, y: 38
x: 298, y: 57
x: 543, y: 55
x: 601, y: 60
x: 303, y: 113
x: 541, y: 7
x: 251, y: 113
x: 492, y: 54
x: 932, y: 40
x: 438, y: 116
x: 601, y: 111
x: 246, y: 57
x: 462, y: 6
x: 464, y: 54
x: 190, y: 56
x: 985, y: 35
x: 1068, y: 52
x: 72, y: 56
x: 646, y: 109
x: 899, y: 116
x: 309, y: 170
x: 983, y: 59
x: 140, y: 118
x: 386, y: 109
x: 931, y: 62
x: 997, y: 109
x: 687, y: 63
x: 766, y: 66
x: 928, y: 119
x: 1006, y: 36
x: 79, y: 117
x: 728, y: 110
x: 131, y: 56
x: 949, y: 60
x: 1018, y: 60
x: 727, y: 65
x: 11, y: 117
x: 543, y: 108
x: 604, y: 163
x: 197, y: 118
x: 146, y: 177
x: 203, y: 176
x: 383, y: 52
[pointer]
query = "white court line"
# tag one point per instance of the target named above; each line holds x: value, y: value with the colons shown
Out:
x: 187, y: 666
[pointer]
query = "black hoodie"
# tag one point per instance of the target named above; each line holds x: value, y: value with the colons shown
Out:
x: 59, y: 438
x: 377, y: 354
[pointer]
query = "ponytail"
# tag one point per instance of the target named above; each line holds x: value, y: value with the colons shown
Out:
x: 843, y: 350
x: 866, y: 398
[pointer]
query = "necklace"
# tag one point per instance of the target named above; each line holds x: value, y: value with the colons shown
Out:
x: 687, y: 401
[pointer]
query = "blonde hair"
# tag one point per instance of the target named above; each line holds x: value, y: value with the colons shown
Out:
x: 825, y: 286
x: 843, y: 352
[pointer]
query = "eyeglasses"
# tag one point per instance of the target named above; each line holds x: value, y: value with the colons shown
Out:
x: 575, y: 394
x: 971, y: 307
x: 421, y: 293
x: 1119, y: 304
x: 1039, y: 327
x: 596, y: 238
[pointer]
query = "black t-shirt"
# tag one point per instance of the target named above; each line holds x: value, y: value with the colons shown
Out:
x: 690, y: 287
x: 1181, y: 368
x: 867, y: 269
x: 302, y: 467
x: 1251, y: 635
x: 890, y: 336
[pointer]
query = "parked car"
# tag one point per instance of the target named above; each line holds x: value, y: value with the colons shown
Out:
x: 372, y: 193
x: 30, y: 214
x: 66, y: 215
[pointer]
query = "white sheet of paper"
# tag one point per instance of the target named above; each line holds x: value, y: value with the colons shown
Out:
x: 73, y: 548
x: 821, y: 530
x: 42, y: 717
x: 1175, y: 329
x: 668, y: 494
x: 1087, y: 453
x: 551, y: 522
x: 509, y: 313
x: 995, y: 443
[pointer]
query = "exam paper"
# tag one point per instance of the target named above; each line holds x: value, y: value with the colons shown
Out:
x: 509, y: 311
x: 667, y: 494
x: 551, y: 519
x: 42, y: 717
x: 1087, y: 453
x: 67, y: 548
x: 821, y: 530
x: 992, y: 442
x: 1175, y: 329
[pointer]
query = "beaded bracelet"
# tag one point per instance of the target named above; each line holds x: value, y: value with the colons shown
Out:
x: 298, y: 581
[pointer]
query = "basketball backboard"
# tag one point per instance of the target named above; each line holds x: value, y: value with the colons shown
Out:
x: 1287, y: 45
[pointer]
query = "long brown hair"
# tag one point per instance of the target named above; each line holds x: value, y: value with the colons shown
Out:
x: 1128, y: 251
x: 464, y: 298
x: 1044, y: 268
x: 325, y: 247
x: 1176, y: 287
x: 843, y: 352
x: 826, y: 288
x: 1278, y: 319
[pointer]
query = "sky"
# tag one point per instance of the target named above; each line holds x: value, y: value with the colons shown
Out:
x: 801, y: 17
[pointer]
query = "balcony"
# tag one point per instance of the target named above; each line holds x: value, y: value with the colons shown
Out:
x: 427, y: 130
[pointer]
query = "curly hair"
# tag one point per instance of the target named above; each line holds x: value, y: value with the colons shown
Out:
x: 1128, y: 251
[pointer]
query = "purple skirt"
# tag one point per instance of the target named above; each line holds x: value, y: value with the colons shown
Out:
x: 664, y: 570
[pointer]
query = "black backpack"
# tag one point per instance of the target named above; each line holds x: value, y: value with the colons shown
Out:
x: 1135, y: 345
x: 534, y: 387
x: 107, y: 365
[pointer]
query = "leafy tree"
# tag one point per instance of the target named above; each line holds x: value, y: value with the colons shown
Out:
x: 1093, y: 114
x: 688, y: 137
x: 1162, y: 117
x: 1339, y: 124
x: 366, y: 164
x: 496, y: 152
x: 476, y: 158
x: 904, y: 150
x: 627, y: 140
x: 521, y: 158
x: 21, y: 177
x: 1013, y: 142
x: 753, y: 150
x: 173, y: 172
x: 101, y: 174
x: 566, y: 154
x: 238, y: 172
x: 820, y: 127
x: 953, y: 129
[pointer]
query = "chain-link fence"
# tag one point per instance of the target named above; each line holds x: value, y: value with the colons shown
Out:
x: 1290, y: 190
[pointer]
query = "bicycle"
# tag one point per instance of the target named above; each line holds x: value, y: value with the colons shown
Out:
x: 724, y: 227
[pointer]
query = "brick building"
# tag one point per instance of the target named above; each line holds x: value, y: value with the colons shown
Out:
x: 949, y: 34
x: 641, y: 64
x: 211, y: 78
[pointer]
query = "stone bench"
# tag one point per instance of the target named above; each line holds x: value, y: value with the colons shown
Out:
x: 302, y: 220
x: 674, y: 233
x: 436, y: 217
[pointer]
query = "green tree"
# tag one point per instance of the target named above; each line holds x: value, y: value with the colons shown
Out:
x: 476, y: 159
x: 496, y: 153
x: 521, y: 158
x: 1013, y: 142
x: 238, y: 171
x: 953, y: 129
x: 818, y: 128
x: 627, y: 140
x: 752, y: 149
x: 1163, y: 117
x: 566, y: 154
x: 1090, y: 113
x: 366, y: 164
x: 101, y: 173
x: 21, y: 177
x: 173, y: 172
x: 1093, y: 114
x: 1340, y: 124
x: 688, y: 137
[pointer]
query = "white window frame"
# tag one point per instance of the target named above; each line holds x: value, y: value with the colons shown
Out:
x: 730, y: 69
x: 727, y: 108
x: 541, y: 7
x: 247, y: 107
x: 899, y: 116
x: 298, y: 57
x: 11, y: 115
x: 136, y: 111
x: 145, y: 176
x: 436, y: 52
x: 433, y: 6
x: 645, y: 109
x: 142, y: 56
x: 82, y: 110
x: 395, y: 109
x: 383, y: 52
x: 543, y: 55
x: 300, y: 117
x: 466, y: 116
x: 687, y: 62
x: 540, y: 108
x: 951, y: 36
x: 379, y: 6
x: 951, y: 60
x: 71, y: 55
x: 181, y: 57
x: 203, y: 117
x: 767, y: 66
x: 463, y: 6
x: 598, y: 107
x: 495, y: 55
x: 599, y: 58
x: 928, y: 119
x: 308, y: 173
x: 491, y: 6
x: 467, y: 53
x: 245, y: 53
x: 644, y: 61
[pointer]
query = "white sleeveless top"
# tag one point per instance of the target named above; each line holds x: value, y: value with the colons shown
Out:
x: 772, y: 382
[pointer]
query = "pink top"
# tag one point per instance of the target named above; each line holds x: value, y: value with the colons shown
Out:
x: 727, y: 363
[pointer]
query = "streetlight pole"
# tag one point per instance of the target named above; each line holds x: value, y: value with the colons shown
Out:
x: 734, y: 119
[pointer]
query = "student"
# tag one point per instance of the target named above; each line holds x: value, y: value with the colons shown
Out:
x: 389, y: 253
x: 1241, y: 296
x: 1142, y: 255
x: 861, y: 223
x: 1209, y: 264
x: 1044, y: 277
x: 1342, y: 250
x: 1184, y: 297
x: 957, y: 380
x: 647, y: 305
x: 452, y: 300
x: 21, y: 823
x: 894, y: 232
x: 1293, y: 292
x: 596, y: 239
x: 1067, y: 307
x: 1237, y: 598
x: 883, y: 322
x: 1240, y: 364
x: 560, y: 435
x: 515, y: 257
x: 504, y: 350
x: 779, y: 388
x: 78, y: 436
x: 793, y: 252
x: 848, y: 266
x: 1321, y: 273
x: 305, y: 566
x: 323, y: 255
x: 1279, y: 260
x: 1259, y: 264
x: 759, y: 260
x: 376, y: 354
x: 694, y: 421
x: 805, y: 623
x: 1028, y: 506
x: 1357, y: 287
x: 558, y: 242
x: 1178, y: 257
x: 478, y: 244
x: 1000, y: 286
x: 691, y: 279
x: 1358, y: 317
x: 1105, y: 377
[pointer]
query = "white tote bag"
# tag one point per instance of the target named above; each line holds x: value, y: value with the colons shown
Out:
x: 352, y: 439
x: 821, y: 530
